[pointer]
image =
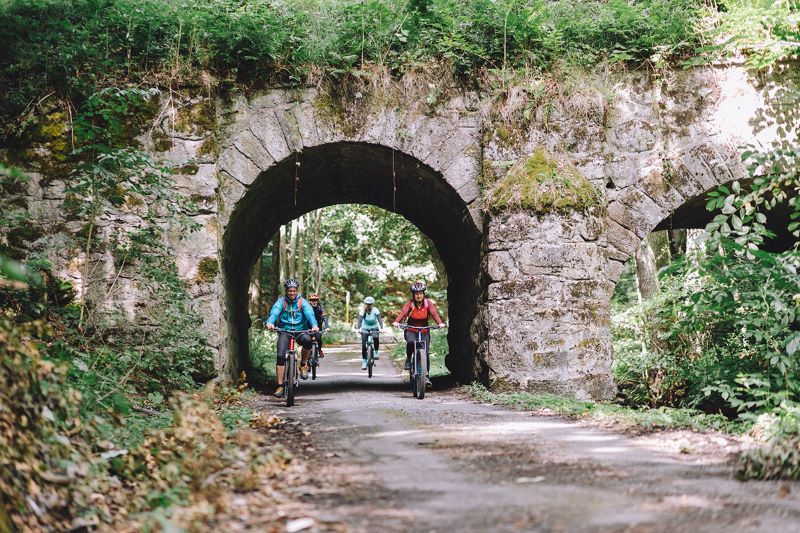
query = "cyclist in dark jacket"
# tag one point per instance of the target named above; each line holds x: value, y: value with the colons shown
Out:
x: 322, y: 319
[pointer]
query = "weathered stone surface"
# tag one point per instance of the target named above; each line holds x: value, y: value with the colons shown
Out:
x: 537, y: 314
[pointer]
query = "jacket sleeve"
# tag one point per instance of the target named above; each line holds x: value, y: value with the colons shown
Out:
x: 380, y: 318
x: 275, y: 311
x: 309, y: 313
x: 403, y: 312
x: 360, y: 320
x: 434, y: 313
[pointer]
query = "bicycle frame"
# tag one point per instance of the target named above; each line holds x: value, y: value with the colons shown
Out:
x: 370, y: 349
x: 313, y: 361
x: 291, y: 378
x: 419, y: 364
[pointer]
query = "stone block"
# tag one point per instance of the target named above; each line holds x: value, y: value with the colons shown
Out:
x: 267, y: 129
x: 252, y: 149
x: 238, y: 166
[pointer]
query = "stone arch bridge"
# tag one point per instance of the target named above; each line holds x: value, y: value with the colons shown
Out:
x: 529, y: 294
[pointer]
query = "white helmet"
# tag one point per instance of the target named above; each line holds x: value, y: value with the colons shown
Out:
x: 369, y: 300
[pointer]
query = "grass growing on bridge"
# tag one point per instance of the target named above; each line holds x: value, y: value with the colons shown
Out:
x: 543, y: 184
x: 77, y: 47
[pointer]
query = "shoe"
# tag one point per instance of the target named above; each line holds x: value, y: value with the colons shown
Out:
x: 304, y: 372
x: 428, y: 382
x: 375, y: 355
x: 280, y: 392
x: 408, y: 364
x: 363, y: 364
x: 321, y: 354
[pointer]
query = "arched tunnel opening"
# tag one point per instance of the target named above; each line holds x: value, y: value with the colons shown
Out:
x: 344, y: 173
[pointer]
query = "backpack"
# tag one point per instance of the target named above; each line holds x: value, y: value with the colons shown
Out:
x: 299, y: 304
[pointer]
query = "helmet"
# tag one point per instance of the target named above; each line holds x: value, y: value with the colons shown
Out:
x: 418, y: 286
x: 291, y: 283
x: 369, y: 300
x: 314, y: 296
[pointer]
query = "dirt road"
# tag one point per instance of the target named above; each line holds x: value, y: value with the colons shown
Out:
x: 383, y: 461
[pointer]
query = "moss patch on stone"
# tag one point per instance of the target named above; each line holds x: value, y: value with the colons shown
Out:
x: 198, y: 118
x: 161, y: 141
x: 543, y: 184
x: 208, y: 269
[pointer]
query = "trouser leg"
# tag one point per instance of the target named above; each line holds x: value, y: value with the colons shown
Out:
x: 364, y: 346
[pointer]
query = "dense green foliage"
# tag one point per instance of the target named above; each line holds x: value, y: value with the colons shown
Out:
x: 77, y: 47
x: 724, y: 333
x: 367, y: 251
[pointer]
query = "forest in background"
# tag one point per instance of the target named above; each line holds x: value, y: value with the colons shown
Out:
x: 361, y: 249
x: 84, y: 403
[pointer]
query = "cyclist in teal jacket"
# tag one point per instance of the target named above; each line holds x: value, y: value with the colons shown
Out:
x: 291, y: 312
x: 369, y: 319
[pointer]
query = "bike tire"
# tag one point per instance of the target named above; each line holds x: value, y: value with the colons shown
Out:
x: 370, y: 360
x: 420, y: 376
x: 289, y: 378
x: 314, y: 356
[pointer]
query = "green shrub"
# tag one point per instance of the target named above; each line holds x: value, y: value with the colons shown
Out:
x: 779, y: 455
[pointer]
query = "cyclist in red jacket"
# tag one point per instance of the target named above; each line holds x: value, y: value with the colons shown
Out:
x: 417, y: 312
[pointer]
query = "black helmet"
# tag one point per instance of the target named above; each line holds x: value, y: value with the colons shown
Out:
x: 291, y: 283
x: 418, y: 286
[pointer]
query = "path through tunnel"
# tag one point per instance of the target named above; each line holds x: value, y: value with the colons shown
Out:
x: 349, y: 172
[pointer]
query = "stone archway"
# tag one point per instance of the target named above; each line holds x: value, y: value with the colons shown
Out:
x: 353, y: 172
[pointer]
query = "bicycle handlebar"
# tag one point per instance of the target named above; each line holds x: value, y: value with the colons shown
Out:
x: 294, y: 331
x: 406, y: 326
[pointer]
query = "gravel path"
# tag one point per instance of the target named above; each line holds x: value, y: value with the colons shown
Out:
x: 380, y: 460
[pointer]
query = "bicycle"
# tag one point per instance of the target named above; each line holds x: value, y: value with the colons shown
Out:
x: 313, y: 359
x: 419, y: 363
x: 291, y: 379
x: 370, y: 349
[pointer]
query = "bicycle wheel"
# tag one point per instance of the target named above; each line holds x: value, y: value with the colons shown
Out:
x: 314, y: 360
x: 412, y: 376
x: 370, y: 359
x: 290, y: 377
x: 420, y: 376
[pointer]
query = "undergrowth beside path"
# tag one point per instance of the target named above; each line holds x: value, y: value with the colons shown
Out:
x: 608, y: 413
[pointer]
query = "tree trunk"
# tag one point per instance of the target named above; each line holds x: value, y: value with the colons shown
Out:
x: 275, y: 274
x: 694, y: 241
x: 677, y: 242
x: 292, y: 249
x: 255, y: 288
x: 646, y: 275
x: 317, y: 259
x: 301, y: 252
x: 659, y: 242
x: 282, y: 266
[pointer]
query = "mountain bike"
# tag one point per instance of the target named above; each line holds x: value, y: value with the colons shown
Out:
x: 313, y: 359
x: 419, y: 361
x: 291, y: 378
x: 370, y: 349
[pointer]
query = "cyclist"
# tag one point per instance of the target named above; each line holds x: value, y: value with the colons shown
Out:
x: 291, y: 313
x: 322, y: 319
x: 369, y: 319
x: 417, y: 312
